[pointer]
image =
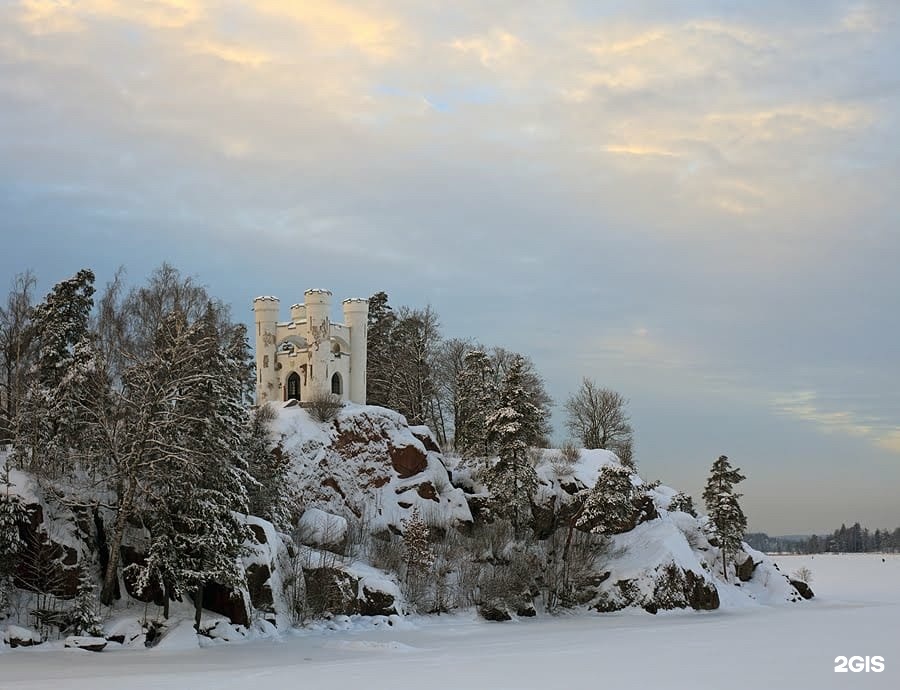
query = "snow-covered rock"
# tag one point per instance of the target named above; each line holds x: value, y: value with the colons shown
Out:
x: 653, y: 566
x: 225, y: 631
x: 368, y: 464
x: 337, y: 588
x: 57, y: 536
x: 318, y: 528
x: 17, y: 636
x: 91, y: 644
x: 266, y: 563
x: 666, y: 561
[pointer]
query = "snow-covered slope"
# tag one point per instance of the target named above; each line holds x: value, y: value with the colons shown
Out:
x: 369, y: 464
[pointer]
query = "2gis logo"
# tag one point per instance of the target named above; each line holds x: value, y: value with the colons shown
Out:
x: 859, y: 664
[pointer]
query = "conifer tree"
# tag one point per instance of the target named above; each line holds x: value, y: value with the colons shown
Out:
x: 682, y: 502
x: 513, y: 480
x: 725, y: 515
x: 378, y: 358
x: 417, y: 552
x: 477, y: 399
x: 536, y: 420
x: 12, y: 514
x: 50, y: 426
x: 201, y: 485
x: 610, y: 505
x: 85, y: 616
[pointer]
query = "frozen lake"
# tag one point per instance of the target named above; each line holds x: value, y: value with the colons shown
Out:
x: 856, y: 612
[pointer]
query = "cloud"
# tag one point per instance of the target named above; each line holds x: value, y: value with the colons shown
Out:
x: 808, y: 406
x: 860, y: 18
x: 492, y: 49
x: 52, y: 16
x: 703, y: 174
x: 230, y: 52
x: 890, y: 441
x: 331, y: 25
x: 685, y: 371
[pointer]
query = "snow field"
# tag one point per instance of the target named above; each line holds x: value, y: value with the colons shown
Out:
x: 856, y: 612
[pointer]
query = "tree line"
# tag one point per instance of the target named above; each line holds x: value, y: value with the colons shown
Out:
x: 853, y: 539
x: 454, y: 385
x: 414, y: 370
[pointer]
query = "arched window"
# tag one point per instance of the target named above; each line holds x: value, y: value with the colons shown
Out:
x: 293, y: 387
x: 336, y: 386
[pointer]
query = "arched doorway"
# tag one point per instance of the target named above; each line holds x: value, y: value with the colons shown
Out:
x: 337, y: 386
x: 293, y: 387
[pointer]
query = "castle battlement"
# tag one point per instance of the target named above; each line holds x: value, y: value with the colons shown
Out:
x: 310, y: 355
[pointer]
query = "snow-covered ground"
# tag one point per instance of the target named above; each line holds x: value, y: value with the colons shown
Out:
x: 856, y: 612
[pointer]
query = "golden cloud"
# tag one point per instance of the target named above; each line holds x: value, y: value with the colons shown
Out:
x: 227, y: 52
x: 807, y: 406
x: 491, y: 49
x: 51, y: 16
x: 332, y: 24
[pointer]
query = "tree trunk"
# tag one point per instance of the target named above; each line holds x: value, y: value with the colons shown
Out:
x: 111, y: 577
x: 166, y: 597
x: 198, y: 608
x: 570, y: 533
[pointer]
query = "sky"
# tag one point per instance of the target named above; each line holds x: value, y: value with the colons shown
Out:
x: 693, y: 203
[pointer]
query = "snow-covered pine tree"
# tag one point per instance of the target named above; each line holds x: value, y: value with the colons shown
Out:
x: 50, y: 425
x: 418, y: 557
x: 12, y: 514
x: 725, y: 514
x: 60, y: 322
x: 196, y: 530
x: 537, y: 415
x: 379, y: 383
x: 609, y: 507
x: 476, y: 399
x: 512, y: 481
x: 85, y: 616
x: 682, y: 502
x: 417, y: 552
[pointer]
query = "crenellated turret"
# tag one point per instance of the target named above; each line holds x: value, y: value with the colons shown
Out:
x: 265, y: 311
x: 298, y: 313
x: 356, y: 318
x: 318, y: 325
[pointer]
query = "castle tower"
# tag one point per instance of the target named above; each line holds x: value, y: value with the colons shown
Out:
x: 265, y: 310
x: 298, y: 312
x: 356, y: 317
x: 318, y: 324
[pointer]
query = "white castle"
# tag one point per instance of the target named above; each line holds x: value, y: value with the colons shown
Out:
x: 310, y: 355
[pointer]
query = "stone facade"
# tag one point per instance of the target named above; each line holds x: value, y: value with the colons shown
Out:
x: 310, y: 355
